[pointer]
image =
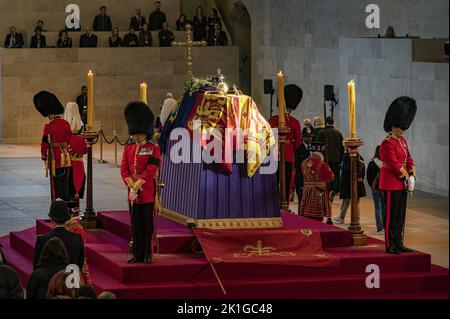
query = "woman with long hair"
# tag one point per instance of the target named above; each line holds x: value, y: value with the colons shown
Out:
x: 58, y: 289
x: 200, y: 23
x: 53, y: 259
x: 115, y: 40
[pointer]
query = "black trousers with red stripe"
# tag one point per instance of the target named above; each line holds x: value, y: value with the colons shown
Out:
x: 395, y: 202
x: 142, y: 228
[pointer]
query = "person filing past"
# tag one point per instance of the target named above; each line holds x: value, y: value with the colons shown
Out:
x: 59, y: 132
x: 140, y: 164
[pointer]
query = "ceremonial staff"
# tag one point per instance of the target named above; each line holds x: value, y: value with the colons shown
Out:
x: 50, y: 167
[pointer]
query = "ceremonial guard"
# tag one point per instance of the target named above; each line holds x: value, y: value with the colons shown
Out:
x: 55, y: 144
x: 316, y: 203
x: 140, y: 164
x: 397, y: 174
x: 293, y: 96
x: 77, y: 150
x: 301, y: 154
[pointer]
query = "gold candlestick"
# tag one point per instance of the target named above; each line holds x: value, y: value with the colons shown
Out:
x: 352, y: 109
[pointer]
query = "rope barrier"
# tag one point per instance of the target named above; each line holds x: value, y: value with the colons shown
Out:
x: 102, y: 138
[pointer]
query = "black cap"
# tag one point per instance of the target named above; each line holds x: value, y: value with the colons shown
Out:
x: 59, y: 212
x: 293, y: 95
x: 401, y: 114
x: 140, y: 118
x: 47, y: 103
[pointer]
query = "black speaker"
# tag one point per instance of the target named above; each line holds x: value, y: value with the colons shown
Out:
x: 268, y: 87
x: 329, y: 93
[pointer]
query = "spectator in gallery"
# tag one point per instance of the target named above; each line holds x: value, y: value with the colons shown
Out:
x: 10, y: 284
x: 213, y: 18
x: 38, y: 40
x: 88, y: 40
x: 53, y: 259
x: 102, y: 22
x: 40, y: 24
x: 200, y: 24
x: 166, y: 36
x: 63, y: 40
x: 115, y: 40
x: 82, y: 103
x: 14, y: 39
x: 138, y: 21
x: 58, y: 289
x: 157, y: 18
x: 182, y: 22
x: 59, y: 215
x: 389, y: 32
x: 218, y: 37
x: 145, y: 37
x: 373, y: 171
x: 131, y: 39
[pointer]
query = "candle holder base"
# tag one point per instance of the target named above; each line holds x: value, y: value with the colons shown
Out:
x: 90, y: 220
x: 359, y: 239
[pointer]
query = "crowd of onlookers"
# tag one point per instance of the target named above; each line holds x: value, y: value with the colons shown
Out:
x: 208, y: 29
x: 55, y: 256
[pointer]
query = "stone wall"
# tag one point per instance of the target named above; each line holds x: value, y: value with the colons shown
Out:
x: 301, y: 37
x: 118, y: 73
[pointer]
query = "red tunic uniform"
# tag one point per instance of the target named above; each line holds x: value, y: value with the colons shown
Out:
x: 315, y: 200
x: 60, y: 134
x: 138, y: 169
x: 77, y: 149
x: 294, y: 137
x: 397, y: 163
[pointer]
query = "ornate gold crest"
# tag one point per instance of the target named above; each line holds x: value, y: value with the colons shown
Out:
x: 261, y: 251
x: 306, y: 232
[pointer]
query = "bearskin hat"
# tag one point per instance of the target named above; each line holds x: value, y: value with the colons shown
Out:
x: 400, y: 114
x: 47, y: 103
x: 293, y: 95
x: 140, y: 118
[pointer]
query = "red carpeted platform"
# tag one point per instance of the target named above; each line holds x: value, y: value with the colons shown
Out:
x: 177, y: 273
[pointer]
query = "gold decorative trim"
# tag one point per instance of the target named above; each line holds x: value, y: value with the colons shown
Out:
x: 232, y: 223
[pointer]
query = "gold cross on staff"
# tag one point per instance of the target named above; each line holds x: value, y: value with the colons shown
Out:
x: 189, y: 44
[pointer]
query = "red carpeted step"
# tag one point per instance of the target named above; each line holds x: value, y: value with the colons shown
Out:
x: 15, y: 259
x: 416, y: 285
x: 110, y: 252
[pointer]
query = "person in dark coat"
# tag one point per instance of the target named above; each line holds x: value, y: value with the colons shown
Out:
x: 157, y: 18
x: 138, y: 21
x: 200, y: 24
x: 102, y: 22
x: 59, y: 215
x: 145, y: 37
x: 345, y: 187
x: 64, y: 41
x: 166, y: 36
x: 14, y: 39
x: 334, y: 152
x: 218, y: 37
x: 115, y: 41
x: 131, y: 39
x: 213, y: 18
x: 301, y: 154
x: 88, y: 40
x: 54, y: 258
x: 373, y: 171
x: 182, y: 22
x: 38, y: 40
x: 82, y: 104
x: 10, y: 284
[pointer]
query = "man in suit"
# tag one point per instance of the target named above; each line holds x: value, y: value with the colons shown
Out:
x: 88, y: 40
x: 218, y: 37
x: 102, y: 22
x: 59, y: 215
x: 82, y: 104
x: 38, y: 40
x: 131, y: 39
x: 13, y: 39
x: 156, y: 18
x: 138, y: 21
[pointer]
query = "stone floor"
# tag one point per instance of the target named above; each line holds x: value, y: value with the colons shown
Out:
x: 24, y: 196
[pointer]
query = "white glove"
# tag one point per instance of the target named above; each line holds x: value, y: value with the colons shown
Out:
x: 133, y: 195
x: 411, y: 184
